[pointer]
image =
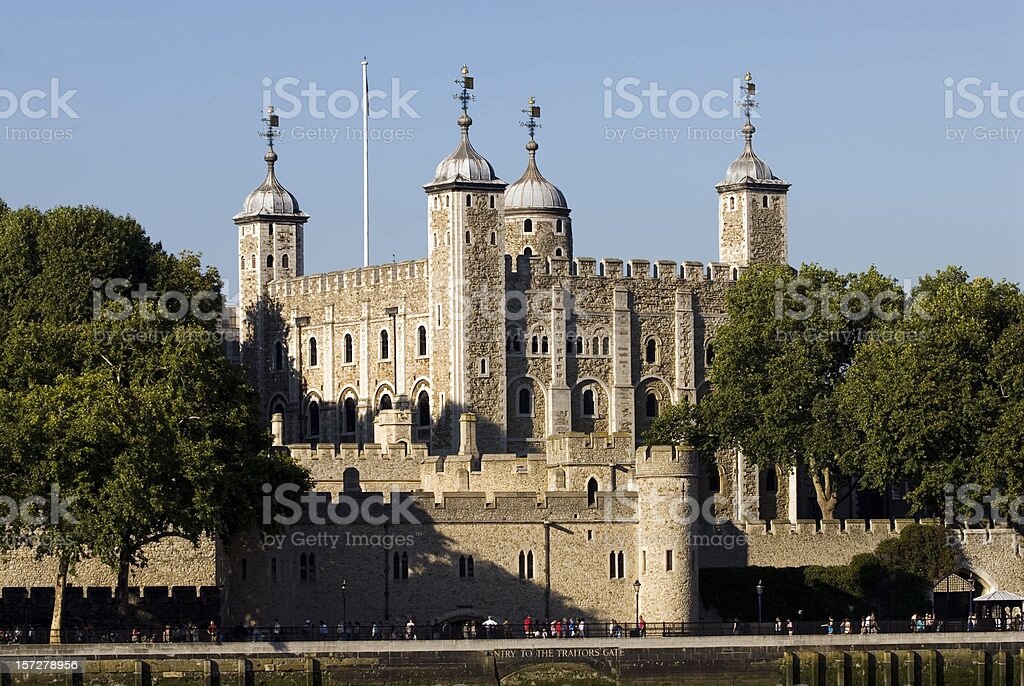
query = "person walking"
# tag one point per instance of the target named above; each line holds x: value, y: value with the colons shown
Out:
x: 789, y: 626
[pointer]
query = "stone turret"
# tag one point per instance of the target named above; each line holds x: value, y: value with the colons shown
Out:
x: 667, y: 483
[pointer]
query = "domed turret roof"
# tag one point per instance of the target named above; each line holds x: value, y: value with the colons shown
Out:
x: 465, y: 164
x: 748, y: 167
x: 270, y: 198
x: 532, y: 190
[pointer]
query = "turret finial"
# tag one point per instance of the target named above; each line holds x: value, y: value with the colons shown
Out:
x: 464, y: 96
x: 748, y: 104
x: 532, y: 112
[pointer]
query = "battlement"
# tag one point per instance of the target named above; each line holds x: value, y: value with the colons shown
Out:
x: 369, y: 277
x: 666, y: 460
x: 305, y: 453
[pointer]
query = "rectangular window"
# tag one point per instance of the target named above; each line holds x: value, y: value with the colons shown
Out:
x: 668, y: 560
x: 245, y: 569
x: 643, y: 561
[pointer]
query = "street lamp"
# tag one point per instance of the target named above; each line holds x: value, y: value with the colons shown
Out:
x: 636, y: 587
x: 344, y: 609
x: 760, y: 592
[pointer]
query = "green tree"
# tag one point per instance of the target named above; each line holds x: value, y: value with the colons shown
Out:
x: 780, y: 358
x: 939, y: 401
x: 130, y: 410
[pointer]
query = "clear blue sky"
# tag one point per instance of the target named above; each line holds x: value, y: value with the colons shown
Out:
x: 852, y: 114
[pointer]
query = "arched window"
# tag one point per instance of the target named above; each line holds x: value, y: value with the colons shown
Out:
x: 284, y: 261
x: 423, y: 409
x: 771, y: 480
x: 529, y: 565
x: 593, y: 346
x: 764, y: 201
x: 544, y: 345
x: 385, y: 349
x: 732, y: 202
x: 652, y: 405
x: 400, y: 566
x: 605, y: 345
x: 278, y: 356
x: 494, y: 235
x: 303, y: 568
x: 350, y: 480
x: 492, y: 202
x: 468, y: 238
x: 652, y: 350
x: 517, y: 343
x: 714, y: 480
x: 558, y: 252
x: 469, y: 200
x: 535, y: 345
x: 579, y: 345
x: 588, y: 403
x: 483, y: 366
x: 313, y: 357
x: 270, y: 229
x: 348, y: 349
x: 709, y: 354
x: 242, y: 265
x: 314, y: 418
x: 592, y: 491
x: 466, y: 566
x: 348, y: 416
x: 525, y: 402
x: 527, y: 226
x: 528, y: 251
x: 421, y: 341
x: 270, y: 261
x: 252, y: 262
x: 385, y: 402
x: 735, y: 273
x: 558, y: 226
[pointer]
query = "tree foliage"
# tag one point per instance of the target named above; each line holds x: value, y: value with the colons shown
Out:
x: 132, y: 411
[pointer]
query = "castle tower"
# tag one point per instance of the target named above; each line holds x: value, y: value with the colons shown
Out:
x: 667, y: 483
x: 269, y: 242
x: 466, y: 250
x: 536, y: 214
x: 751, y: 204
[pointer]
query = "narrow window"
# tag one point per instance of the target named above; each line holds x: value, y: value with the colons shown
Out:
x: 405, y: 565
x: 492, y: 203
x: 714, y: 480
x: 732, y: 202
x: 525, y: 402
x: 348, y: 423
x: 517, y: 343
x: 396, y: 566
x: 558, y: 226
x: 592, y: 491
x: 270, y: 229
x: 771, y: 481
x: 421, y: 341
x: 622, y: 564
x: 529, y: 565
x: 590, y: 534
x: 527, y: 226
x: 605, y: 345
x: 588, y: 403
x: 668, y: 560
x: 522, y: 564
x: 348, y: 348
x: 593, y: 346
x: 469, y: 200
x: 652, y: 405
x: 611, y: 565
x: 284, y: 261
x: 764, y: 201
x: 469, y: 567
x: 385, y: 349
x: 303, y: 568
x: 709, y: 355
x: 468, y: 238
x: 643, y: 561
x: 652, y: 350
x: 312, y: 568
x: 494, y: 235
x: 462, y: 566
x: 278, y: 356
x: 544, y: 345
x: 270, y: 261
x: 314, y: 418
x: 242, y: 266
x: 245, y: 569
x: 483, y: 366
x: 423, y: 407
x: 252, y: 262
x: 534, y: 345
x: 558, y: 252
x: 313, y: 357
x: 579, y: 345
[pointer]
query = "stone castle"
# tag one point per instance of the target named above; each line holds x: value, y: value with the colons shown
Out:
x: 505, y: 384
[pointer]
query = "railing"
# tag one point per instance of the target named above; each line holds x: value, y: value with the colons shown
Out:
x: 391, y: 631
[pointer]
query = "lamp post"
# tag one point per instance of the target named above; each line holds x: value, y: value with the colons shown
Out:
x: 636, y: 588
x: 760, y: 593
x: 344, y: 608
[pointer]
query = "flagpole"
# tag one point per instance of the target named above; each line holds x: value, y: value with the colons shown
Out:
x: 366, y: 167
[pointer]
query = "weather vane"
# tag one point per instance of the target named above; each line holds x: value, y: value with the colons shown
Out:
x: 748, y: 103
x: 532, y: 111
x: 272, y: 122
x: 467, y: 85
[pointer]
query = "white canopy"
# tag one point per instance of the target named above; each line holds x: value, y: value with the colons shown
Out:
x: 999, y: 597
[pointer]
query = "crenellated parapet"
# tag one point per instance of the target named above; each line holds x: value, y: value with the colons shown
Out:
x: 375, y: 276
